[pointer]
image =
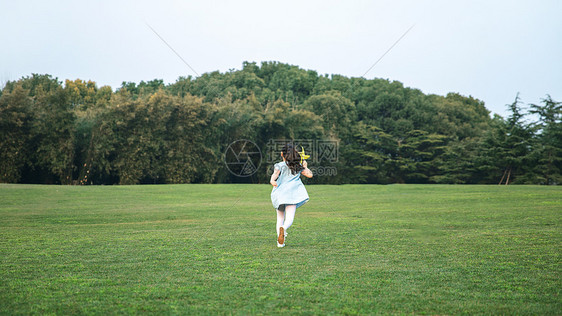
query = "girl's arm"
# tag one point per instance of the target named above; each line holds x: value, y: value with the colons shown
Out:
x: 306, y: 172
x: 274, y: 177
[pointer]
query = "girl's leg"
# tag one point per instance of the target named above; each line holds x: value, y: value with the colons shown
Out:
x: 280, y: 219
x: 289, y: 216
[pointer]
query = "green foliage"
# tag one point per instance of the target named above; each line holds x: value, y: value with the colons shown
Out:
x: 548, y: 148
x: 34, y: 83
x: 336, y: 112
x: 15, y: 127
x: 155, y: 133
x: 158, y: 139
x: 54, y: 134
x: 508, y: 148
x: 384, y: 158
x: 458, y: 164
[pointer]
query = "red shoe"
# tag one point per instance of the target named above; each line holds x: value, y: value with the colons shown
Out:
x: 281, y: 238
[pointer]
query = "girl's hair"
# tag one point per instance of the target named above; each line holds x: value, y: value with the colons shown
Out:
x: 293, y: 158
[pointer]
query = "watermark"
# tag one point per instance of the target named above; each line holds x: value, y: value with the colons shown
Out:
x: 324, y: 171
x: 242, y: 158
x: 320, y: 151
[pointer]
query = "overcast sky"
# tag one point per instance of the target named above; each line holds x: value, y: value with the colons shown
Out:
x: 487, y: 49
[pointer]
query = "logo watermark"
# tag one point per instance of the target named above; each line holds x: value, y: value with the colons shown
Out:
x: 320, y: 151
x: 243, y: 157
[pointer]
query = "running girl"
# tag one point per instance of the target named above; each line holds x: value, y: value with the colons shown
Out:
x: 288, y: 191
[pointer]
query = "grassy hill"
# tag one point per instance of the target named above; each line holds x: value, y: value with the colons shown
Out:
x: 353, y: 249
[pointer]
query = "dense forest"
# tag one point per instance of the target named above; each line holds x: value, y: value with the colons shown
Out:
x: 150, y: 132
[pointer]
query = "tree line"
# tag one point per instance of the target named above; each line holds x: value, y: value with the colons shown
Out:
x: 78, y: 133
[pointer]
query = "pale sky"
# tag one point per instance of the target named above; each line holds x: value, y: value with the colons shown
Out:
x: 487, y: 49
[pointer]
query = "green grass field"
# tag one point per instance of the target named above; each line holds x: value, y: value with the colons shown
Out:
x: 210, y: 249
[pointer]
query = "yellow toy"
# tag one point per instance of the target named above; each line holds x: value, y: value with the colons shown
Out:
x: 303, y: 155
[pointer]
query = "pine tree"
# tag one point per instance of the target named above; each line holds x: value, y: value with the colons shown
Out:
x: 513, y: 146
x: 549, y: 146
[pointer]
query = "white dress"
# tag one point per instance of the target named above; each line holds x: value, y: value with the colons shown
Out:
x: 289, y: 190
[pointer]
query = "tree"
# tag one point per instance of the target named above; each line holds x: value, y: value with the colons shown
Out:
x: 149, y: 132
x: 419, y: 154
x: 458, y: 164
x: 508, y: 147
x: 54, y: 133
x: 336, y: 111
x: 549, y: 146
x: 15, y: 128
x: 154, y: 139
x: 369, y: 159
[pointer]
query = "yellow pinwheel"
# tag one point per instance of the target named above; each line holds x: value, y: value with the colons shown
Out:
x: 303, y: 155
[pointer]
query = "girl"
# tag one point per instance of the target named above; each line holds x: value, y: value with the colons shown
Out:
x: 288, y: 191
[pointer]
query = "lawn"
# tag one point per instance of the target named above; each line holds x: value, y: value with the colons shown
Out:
x: 210, y: 249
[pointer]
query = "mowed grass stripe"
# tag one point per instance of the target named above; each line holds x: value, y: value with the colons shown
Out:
x: 354, y: 249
